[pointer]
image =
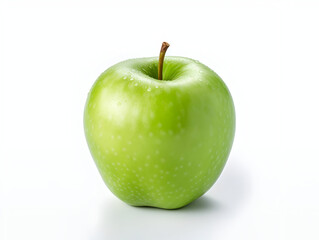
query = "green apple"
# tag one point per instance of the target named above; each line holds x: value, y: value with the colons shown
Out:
x: 160, y: 143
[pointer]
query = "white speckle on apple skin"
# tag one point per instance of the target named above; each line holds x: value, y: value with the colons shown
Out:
x: 163, y: 133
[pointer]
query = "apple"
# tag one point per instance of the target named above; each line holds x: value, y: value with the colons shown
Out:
x: 159, y: 132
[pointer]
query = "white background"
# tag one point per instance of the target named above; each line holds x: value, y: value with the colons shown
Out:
x: 267, y: 52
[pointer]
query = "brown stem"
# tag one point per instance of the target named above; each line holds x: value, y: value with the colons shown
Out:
x: 164, y: 47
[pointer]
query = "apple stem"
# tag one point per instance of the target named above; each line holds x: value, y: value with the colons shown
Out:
x: 164, y: 47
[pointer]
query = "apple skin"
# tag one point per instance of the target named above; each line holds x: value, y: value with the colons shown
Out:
x: 159, y: 143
